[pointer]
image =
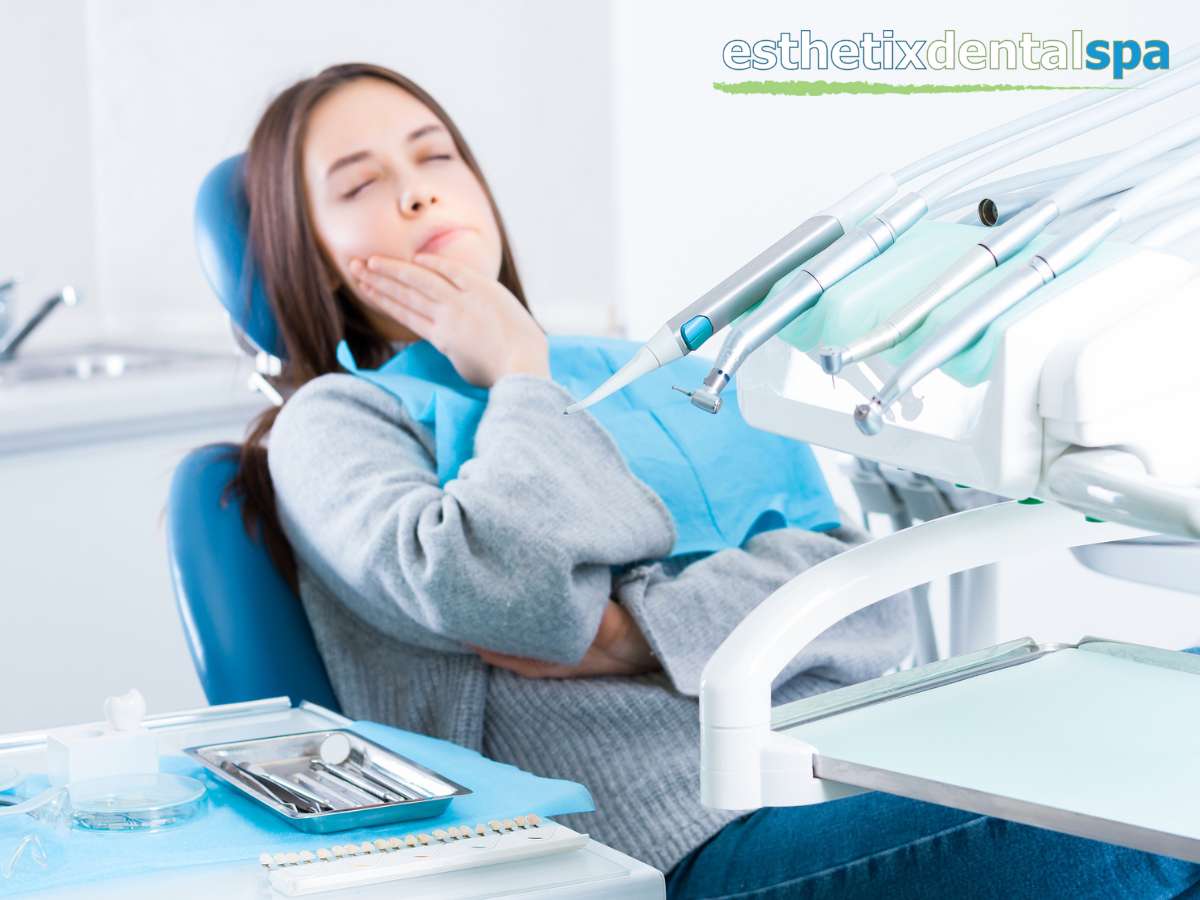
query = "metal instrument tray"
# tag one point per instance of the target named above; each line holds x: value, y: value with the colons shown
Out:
x: 286, y: 755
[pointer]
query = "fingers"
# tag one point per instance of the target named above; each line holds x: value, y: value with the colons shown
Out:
x: 418, y: 324
x: 456, y: 273
x: 428, y: 282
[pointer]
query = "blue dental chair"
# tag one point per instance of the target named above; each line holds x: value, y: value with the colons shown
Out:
x: 245, y: 626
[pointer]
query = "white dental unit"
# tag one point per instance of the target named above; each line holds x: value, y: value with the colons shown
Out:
x: 1049, y: 360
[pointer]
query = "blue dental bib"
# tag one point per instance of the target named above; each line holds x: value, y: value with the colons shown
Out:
x: 722, y: 480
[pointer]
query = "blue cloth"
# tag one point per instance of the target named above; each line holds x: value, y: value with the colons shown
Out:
x: 879, y: 845
x: 232, y: 827
x: 722, y: 480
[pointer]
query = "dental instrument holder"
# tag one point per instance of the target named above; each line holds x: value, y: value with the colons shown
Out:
x: 122, y: 746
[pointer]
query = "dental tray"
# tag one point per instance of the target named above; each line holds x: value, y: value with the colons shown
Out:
x: 1097, y: 739
x: 272, y: 771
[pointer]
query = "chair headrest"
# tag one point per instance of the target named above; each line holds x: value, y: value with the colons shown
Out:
x: 222, y: 227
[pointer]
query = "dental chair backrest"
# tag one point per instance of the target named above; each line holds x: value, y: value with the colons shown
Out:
x: 221, y: 227
x: 245, y: 627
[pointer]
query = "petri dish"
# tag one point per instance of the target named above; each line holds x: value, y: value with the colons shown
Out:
x: 135, y: 802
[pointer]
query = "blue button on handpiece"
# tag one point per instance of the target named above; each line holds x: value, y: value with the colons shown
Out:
x: 695, y: 331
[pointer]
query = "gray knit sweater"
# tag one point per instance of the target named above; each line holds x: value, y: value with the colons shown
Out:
x: 519, y: 554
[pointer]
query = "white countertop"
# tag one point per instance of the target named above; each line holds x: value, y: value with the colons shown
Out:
x: 193, y: 388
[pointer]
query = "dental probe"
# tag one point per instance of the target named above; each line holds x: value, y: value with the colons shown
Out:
x: 804, y: 288
x: 1045, y: 265
x: 688, y: 329
x: 1005, y: 241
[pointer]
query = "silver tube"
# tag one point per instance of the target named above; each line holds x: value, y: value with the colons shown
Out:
x: 858, y: 247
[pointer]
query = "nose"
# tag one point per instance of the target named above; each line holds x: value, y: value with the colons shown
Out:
x: 416, y: 200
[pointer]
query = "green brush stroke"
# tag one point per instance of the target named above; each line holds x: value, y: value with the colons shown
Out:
x: 815, y: 88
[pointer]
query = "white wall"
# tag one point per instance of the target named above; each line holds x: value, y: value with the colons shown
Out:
x: 119, y: 108
x: 46, y: 203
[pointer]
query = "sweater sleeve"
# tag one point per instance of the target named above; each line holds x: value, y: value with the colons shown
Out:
x: 514, y: 554
x: 686, y: 615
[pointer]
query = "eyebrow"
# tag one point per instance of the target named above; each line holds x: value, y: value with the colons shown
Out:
x: 360, y: 155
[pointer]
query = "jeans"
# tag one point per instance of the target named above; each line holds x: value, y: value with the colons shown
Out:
x: 877, y: 845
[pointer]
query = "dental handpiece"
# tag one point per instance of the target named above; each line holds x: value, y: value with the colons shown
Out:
x: 804, y: 288
x: 688, y: 329
x: 1046, y: 265
x: 1117, y: 172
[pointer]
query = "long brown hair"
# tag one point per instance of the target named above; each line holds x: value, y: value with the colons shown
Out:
x: 313, y: 309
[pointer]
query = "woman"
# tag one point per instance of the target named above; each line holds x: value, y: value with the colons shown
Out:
x: 524, y: 608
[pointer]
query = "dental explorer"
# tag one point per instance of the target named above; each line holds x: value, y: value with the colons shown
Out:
x: 1002, y: 243
x: 688, y: 329
x: 1042, y: 268
x: 804, y: 288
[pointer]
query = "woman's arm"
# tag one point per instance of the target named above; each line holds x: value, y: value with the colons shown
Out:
x: 514, y: 554
x: 685, y: 615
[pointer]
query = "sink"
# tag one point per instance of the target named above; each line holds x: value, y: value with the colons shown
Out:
x: 101, y: 362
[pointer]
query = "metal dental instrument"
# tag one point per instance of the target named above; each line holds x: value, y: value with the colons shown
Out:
x: 1005, y: 241
x: 336, y: 750
x: 690, y: 328
x: 1042, y: 268
x: 313, y: 800
x: 879, y: 232
x: 383, y: 796
x: 280, y: 794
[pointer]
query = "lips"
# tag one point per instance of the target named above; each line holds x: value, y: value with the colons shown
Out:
x: 439, y: 236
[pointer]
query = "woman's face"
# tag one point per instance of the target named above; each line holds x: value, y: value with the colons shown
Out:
x: 385, y: 179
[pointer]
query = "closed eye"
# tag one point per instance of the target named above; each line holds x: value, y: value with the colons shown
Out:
x: 351, y: 194
x: 438, y: 156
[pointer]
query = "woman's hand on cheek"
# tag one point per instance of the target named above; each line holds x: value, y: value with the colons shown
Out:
x: 619, y: 648
x: 474, y: 320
